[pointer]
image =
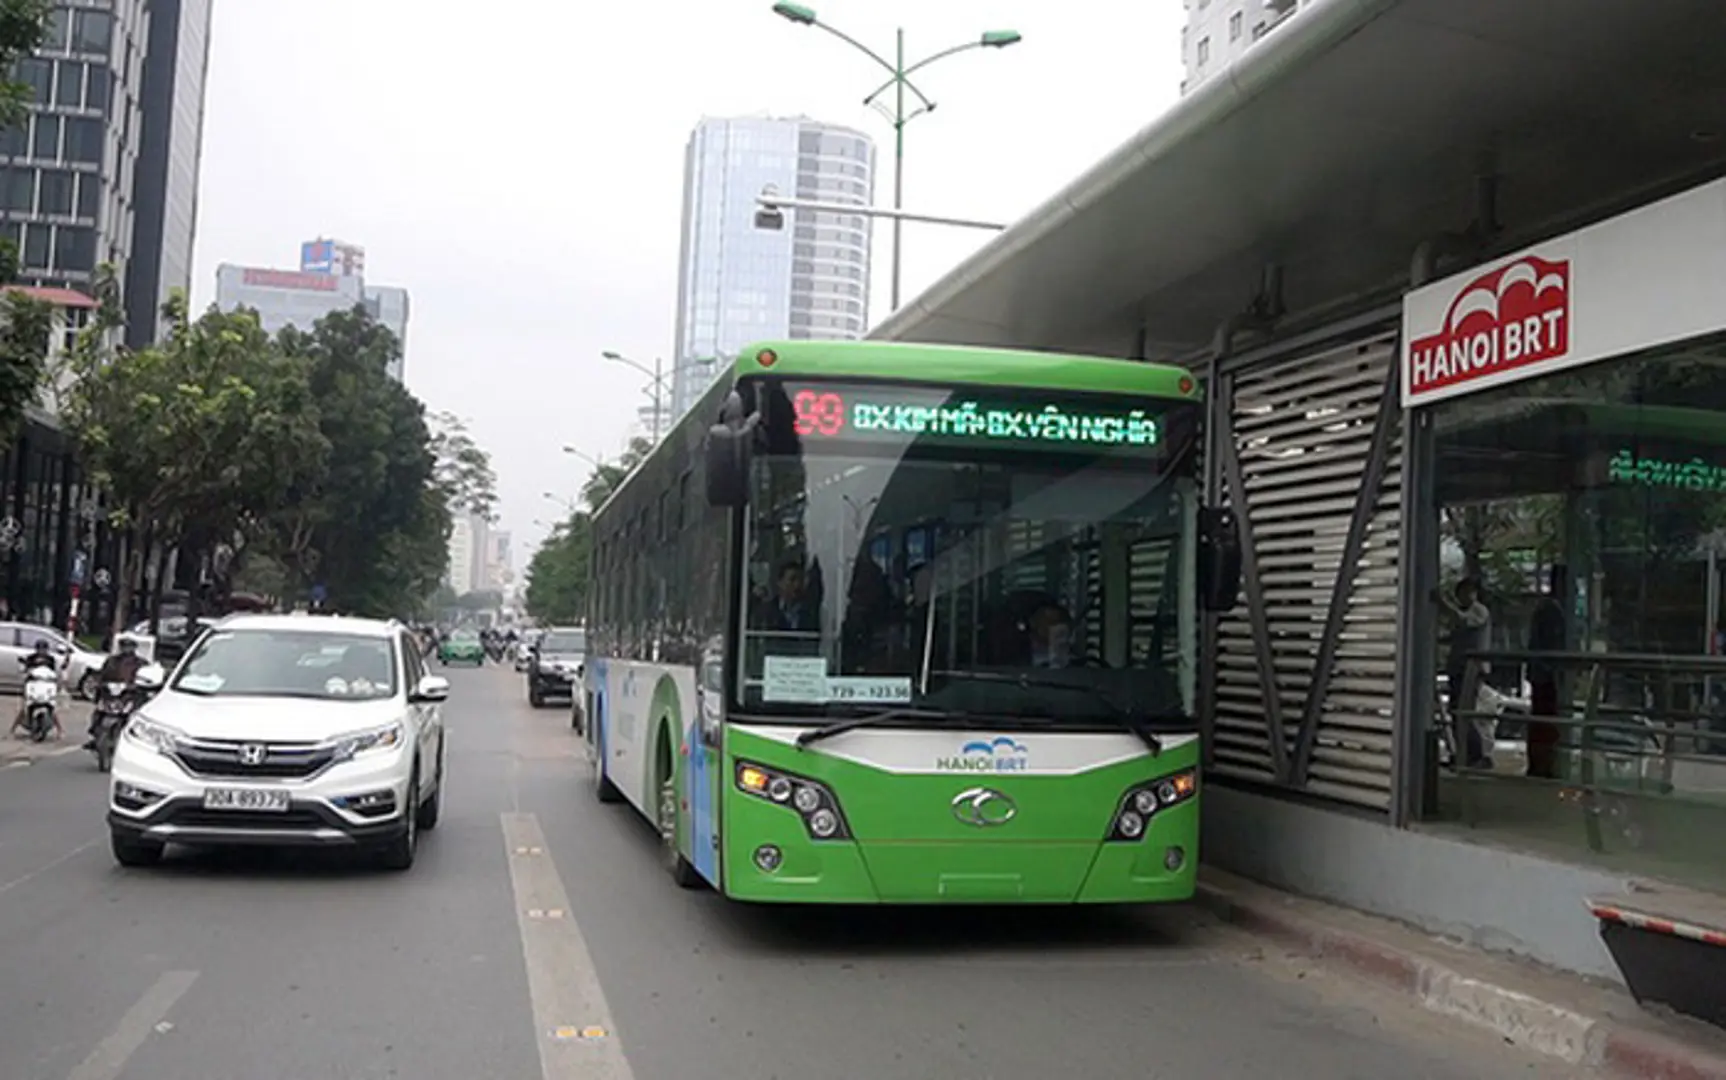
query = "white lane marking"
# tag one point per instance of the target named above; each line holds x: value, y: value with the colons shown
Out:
x: 572, y: 1024
x: 111, y: 1054
x: 40, y: 870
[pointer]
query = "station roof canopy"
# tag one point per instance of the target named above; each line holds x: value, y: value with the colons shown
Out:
x: 1351, y: 133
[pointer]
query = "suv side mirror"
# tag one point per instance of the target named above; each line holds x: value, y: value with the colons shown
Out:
x: 1219, y: 570
x: 151, y: 677
x: 431, y: 688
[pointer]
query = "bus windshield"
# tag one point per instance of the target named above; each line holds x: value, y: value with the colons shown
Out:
x: 1052, y: 586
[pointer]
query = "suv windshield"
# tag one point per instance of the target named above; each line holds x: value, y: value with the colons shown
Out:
x: 564, y: 641
x: 976, y: 582
x: 289, y: 663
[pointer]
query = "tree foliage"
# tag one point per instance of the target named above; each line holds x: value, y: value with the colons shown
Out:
x: 464, y: 470
x: 24, y: 344
x: 557, y: 576
x: 605, y: 479
x: 298, y: 460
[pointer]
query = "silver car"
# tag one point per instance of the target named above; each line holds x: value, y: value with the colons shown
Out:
x: 78, y: 665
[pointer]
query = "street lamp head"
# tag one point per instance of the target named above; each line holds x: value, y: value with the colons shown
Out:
x: 797, y: 13
x: 1000, y: 39
x: 609, y: 355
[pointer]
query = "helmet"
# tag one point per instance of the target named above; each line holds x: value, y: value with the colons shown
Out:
x: 128, y: 644
x: 41, y: 645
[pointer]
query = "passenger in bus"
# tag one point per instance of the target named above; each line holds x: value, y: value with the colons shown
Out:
x: 868, y: 620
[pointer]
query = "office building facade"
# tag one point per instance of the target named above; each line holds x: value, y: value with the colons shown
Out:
x: 330, y: 279
x: 1219, y: 31
x: 739, y: 282
x: 66, y: 193
x: 170, y: 148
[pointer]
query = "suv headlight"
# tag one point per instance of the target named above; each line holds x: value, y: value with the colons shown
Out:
x: 376, y: 740
x: 152, y: 736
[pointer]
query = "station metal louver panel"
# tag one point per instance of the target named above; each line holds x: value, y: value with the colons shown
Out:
x: 1303, y: 430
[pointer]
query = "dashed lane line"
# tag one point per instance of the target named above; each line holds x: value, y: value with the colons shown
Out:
x: 109, y: 1059
x: 572, y: 1024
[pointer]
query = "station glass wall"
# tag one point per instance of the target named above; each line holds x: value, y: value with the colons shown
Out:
x: 1615, y: 474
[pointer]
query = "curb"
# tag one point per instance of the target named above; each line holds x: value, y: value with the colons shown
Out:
x: 1547, y: 1028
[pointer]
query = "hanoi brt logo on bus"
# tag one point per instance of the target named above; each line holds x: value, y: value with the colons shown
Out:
x: 1514, y: 316
x: 988, y: 755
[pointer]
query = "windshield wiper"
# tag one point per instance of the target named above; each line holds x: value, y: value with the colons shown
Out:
x: 852, y: 723
x: 1129, y: 719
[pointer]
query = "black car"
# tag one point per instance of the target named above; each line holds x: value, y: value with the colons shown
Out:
x: 556, y: 665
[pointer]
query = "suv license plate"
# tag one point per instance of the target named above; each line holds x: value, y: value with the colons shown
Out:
x: 245, y: 799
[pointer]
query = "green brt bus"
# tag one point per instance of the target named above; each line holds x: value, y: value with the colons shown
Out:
x: 887, y: 623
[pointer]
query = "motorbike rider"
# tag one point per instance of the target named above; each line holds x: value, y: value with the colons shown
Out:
x: 39, y: 656
x: 122, y: 667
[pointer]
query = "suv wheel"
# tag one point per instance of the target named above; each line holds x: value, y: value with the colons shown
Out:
x: 398, y: 853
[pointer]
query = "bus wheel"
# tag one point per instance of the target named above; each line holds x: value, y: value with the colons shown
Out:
x: 681, y: 872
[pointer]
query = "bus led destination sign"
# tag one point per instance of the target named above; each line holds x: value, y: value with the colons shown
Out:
x: 893, y: 414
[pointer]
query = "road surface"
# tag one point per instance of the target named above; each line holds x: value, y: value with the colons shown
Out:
x: 538, y: 938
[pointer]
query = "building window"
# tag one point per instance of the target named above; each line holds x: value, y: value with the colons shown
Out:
x: 46, y: 144
x: 93, y: 32
x: 38, y: 75
x: 75, y: 249
x: 15, y: 141
x: 84, y: 140
x: 1204, y: 50
x: 36, y: 247
x: 1235, y: 26
x: 89, y: 195
x: 69, y: 88
x: 58, y: 32
x: 17, y: 192
x: 100, y: 86
x: 56, y: 192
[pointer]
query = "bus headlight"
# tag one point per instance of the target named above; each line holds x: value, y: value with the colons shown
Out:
x: 1145, y: 800
x: 809, y: 799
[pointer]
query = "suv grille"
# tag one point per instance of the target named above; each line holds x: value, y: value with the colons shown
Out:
x: 290, y: 761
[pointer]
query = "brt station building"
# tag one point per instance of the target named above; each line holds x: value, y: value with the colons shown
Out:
x: 1454, y: 275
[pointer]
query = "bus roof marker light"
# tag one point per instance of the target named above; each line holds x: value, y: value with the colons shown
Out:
x: 766, y: 358
x: 1187, y: 385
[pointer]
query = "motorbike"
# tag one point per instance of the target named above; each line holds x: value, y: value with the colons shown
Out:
x: 41, y: 696
x: 115, y: 703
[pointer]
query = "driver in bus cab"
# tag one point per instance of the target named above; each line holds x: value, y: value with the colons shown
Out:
x: 790, y: 608
x: 1051, y: 632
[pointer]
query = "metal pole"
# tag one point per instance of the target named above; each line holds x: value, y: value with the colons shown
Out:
x: 898, y: 158
x: 658, y: 396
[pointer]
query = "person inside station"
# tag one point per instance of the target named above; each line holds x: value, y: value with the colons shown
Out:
x: 1470, y: 631
x: 1547, y: 633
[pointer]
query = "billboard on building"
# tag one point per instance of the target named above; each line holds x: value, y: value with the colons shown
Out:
x: 261, y: 278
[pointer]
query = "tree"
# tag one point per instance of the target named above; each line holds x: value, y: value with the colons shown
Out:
x: 373, y: 528
x: 23, y: 24
x: 24, y: 344
x: 557, y: 575
x: 606, y: 478
x: 463, y: 469
x: 197, y: 438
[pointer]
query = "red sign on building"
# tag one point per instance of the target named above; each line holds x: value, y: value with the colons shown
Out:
x: 1516, y: 315
x: 289, y: 279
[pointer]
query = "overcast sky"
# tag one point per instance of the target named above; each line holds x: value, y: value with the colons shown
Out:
x: 518, y: 166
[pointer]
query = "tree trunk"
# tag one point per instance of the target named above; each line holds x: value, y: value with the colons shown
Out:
x: 131, y: 566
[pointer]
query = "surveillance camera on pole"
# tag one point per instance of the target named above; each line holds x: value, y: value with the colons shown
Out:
x: 767, y: 214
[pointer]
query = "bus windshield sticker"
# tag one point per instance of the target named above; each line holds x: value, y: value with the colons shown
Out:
x: 868, y: 688
x: 794, y: 678
x: 944, y: 415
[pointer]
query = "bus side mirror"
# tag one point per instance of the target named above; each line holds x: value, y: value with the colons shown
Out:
x: 727, y: 453
x: 727, y: 461
x: 1219, y: 560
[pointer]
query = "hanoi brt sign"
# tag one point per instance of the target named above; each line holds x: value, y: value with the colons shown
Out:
x: 1653, y: 276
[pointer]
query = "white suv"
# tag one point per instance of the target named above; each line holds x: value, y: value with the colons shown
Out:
x: 285, y: 730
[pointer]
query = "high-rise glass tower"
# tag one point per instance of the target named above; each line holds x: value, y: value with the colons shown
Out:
x: 737, y: 282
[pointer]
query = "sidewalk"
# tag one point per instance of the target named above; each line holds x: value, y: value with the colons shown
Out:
x: 16, y: 752
x: 1573, y: 1019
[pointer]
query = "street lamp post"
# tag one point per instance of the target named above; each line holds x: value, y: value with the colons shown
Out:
x: 655, y: 373
x: 899, y: 81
